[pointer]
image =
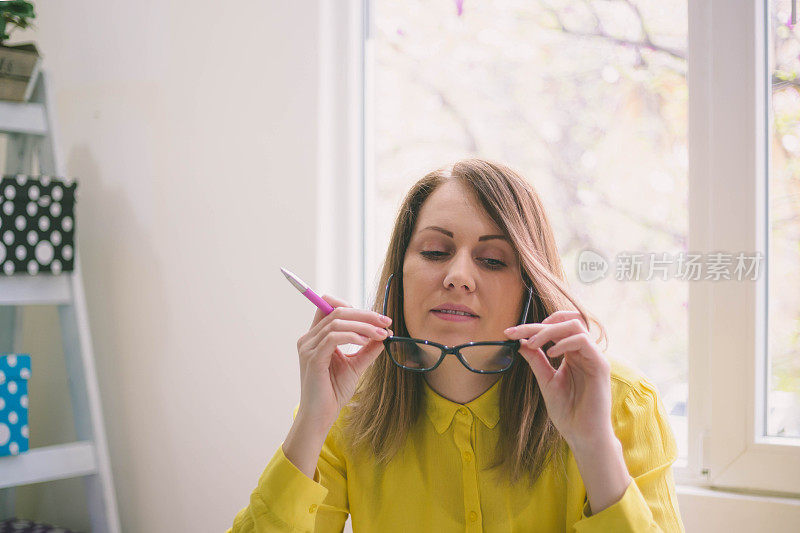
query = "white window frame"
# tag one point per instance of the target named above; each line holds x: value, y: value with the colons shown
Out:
x: 727, y: 146
x: 340, y: 154
x: 728, y: 162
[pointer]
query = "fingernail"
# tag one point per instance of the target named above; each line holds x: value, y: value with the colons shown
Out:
x: 511, y: 329
x: 386, y: 320
x: 381, y: 332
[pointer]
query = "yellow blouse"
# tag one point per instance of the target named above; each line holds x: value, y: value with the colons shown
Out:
x: 436, y: 483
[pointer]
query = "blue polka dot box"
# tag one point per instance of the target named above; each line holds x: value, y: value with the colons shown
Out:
x: 15, y: 371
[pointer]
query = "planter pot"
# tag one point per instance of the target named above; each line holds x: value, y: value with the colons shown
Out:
x: 19, y: 65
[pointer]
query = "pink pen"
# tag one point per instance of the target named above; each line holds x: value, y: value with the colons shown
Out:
x: 306, y: 291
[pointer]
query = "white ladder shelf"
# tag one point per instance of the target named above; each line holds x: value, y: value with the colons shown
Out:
x: 31, y: 132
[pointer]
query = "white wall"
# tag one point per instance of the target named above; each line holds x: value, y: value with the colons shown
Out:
x: 191, y: 127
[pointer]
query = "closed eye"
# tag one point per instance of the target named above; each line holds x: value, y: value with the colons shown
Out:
x: 491, y: 264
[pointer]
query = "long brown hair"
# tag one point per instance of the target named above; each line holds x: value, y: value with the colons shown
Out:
x: 388, y: 399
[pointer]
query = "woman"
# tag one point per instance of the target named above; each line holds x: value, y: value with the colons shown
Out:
x: 419, y: 440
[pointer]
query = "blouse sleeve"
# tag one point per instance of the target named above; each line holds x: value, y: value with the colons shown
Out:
x: 650, y: 502
x: 287, y: 500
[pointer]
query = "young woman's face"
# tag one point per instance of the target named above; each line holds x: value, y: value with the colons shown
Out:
x: 457, y: 263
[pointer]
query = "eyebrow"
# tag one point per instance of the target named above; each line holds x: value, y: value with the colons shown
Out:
x: 483, y: 238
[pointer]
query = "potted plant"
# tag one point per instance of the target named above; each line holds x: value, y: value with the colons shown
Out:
x: 19, y: 63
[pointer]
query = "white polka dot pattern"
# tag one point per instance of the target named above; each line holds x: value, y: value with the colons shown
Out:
x: 37, y: 224
x: 5, y: 434
x: 15, y: 371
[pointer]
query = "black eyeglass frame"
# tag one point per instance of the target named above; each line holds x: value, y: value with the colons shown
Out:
x: 456, y: 350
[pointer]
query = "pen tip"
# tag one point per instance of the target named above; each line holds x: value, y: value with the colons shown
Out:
x: 294, y: 280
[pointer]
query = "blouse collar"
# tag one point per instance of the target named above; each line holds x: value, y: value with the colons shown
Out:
x: 441, y: 410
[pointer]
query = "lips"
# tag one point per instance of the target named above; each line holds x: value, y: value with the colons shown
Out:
x: 455, y: 307
x: 449, y: 315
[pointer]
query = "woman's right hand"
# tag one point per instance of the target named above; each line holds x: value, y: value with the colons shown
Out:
x: 328, y: 378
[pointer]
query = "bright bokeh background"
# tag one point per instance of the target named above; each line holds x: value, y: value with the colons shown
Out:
x: 783, y: 417
x: 589, y: 101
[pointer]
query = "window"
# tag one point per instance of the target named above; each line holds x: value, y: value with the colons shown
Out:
x: 555, y: 90
x: 717, y: 87
x: 783, y: 416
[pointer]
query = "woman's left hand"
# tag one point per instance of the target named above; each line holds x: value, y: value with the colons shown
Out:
x: 577, y: 394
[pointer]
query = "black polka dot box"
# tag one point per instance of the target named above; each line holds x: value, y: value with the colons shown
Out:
x: 15, y: 371
x: 37, y: 224
x: 20, y: 525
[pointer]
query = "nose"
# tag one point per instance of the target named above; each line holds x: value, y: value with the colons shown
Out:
x: 459, y: 272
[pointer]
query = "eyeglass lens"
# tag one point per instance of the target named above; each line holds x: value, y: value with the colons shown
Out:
x: 419, y: 356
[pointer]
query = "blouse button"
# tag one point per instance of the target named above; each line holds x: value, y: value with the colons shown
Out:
x: 467, y: 457
x: 312, y: 508
x: 473, y: 516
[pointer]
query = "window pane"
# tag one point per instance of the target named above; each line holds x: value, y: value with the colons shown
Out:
x: 783, y: 416
x: 589, y: 101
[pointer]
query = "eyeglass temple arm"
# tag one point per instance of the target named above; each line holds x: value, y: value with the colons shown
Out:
x: 531, y: 290
x: 386, y: 293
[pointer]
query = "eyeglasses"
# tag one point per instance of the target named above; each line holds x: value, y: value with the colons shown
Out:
x: 419, y: 355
